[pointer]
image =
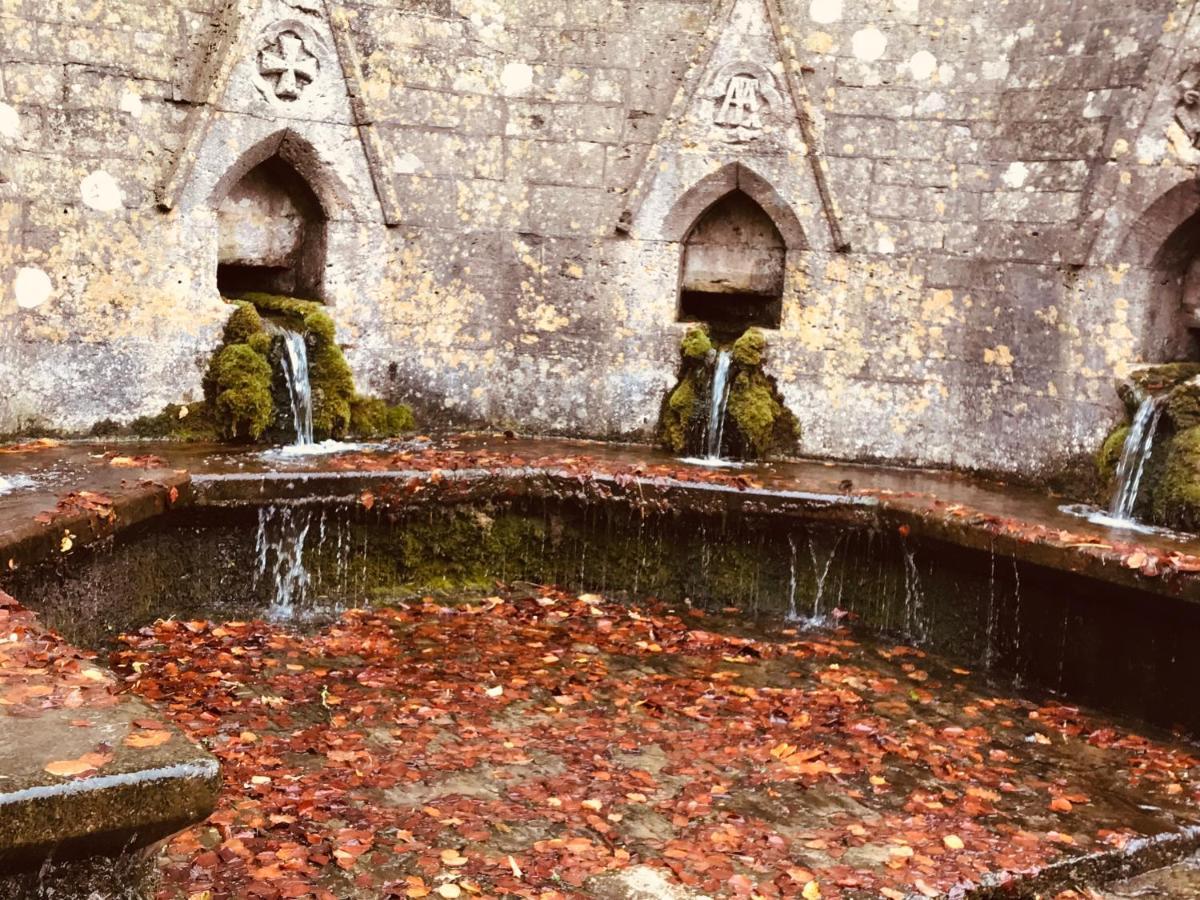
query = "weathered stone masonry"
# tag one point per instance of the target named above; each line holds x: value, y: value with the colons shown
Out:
x: 985, y: 207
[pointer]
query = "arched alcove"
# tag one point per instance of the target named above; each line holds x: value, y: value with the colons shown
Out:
x: 733, y: 266
x: 271, y: 233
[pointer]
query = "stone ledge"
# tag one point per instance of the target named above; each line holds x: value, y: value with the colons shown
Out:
x: 1075, y: 550
x: 84, y: 770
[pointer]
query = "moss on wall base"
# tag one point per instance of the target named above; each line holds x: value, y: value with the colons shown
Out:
x: 1109, y: 454
x: 242, y: 384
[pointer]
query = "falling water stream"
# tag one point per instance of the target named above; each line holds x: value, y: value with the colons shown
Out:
x: 295, y: 370
x: 716, y: 411
x: 1134, y: 456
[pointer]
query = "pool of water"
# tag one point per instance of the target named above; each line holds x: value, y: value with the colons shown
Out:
x: 491, y: 692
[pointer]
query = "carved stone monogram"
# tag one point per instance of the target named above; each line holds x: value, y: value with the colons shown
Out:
x: 739, y: 109
x: 744, y: 98
x: 290, y: 56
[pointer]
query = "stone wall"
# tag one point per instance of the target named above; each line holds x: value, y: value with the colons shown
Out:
x: 974, y: 198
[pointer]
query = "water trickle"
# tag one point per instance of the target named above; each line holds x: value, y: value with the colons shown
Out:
x: 822, y: 575
x: 716, y: 410
x: 295, y: 370
x: 1134, y: 456
x: 279, y: 544
x: 914, y: 598
x: 792, y: 614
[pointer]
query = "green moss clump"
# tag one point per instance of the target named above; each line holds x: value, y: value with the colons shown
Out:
x: 244, y: 324
x: 749, y: 349
x: 696, y: 344
x: 261, y: 344
x: 328, y: 372
x: 332, y: 390
x: 1109, y: 453
x: 681, y: 413
x: 372, y: 418
x: 1176, y: 495
x: 239, y: 383
x: 242, y: 384
x: 764, y: 425
x: 1183, y: 406
x: 179, y: 422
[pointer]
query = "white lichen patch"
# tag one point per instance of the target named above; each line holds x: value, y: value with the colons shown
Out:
x: 10, y: 122
x: 1015, y: 175
x: 32, y: 287
x: 922, y: 65
x: 868, y: 44
x: 131, y: 102
x: 516, y: 78
x: 101, y: 192
x: 825, y: 11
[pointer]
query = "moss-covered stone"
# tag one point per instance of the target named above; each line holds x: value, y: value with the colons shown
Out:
x: 696, y: 344
x: 242, y: 380
x: 243, y: 325
x: 373, y: 418
x: 762, y: 426
x: 1109, y: 453
x: 243, y: 397
x: 332, y: 390
x: 1156, y: 379
x: 1183, y: 406
x: 1176, y: 493
x: 179, y: 422
x: 682, y: 413
x: 750, y: 348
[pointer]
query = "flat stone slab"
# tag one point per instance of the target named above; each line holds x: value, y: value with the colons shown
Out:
x: 83, y: 769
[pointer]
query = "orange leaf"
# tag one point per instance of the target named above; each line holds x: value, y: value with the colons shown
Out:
x: 143, y: 739
x: 65, y: 768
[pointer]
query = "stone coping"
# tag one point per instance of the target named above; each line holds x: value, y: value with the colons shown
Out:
x: 1165, y: 573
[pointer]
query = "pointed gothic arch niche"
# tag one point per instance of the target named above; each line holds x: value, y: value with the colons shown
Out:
x: 1166, y: 241
x: 733, y: 267
x: 273, y: 207
x: 736, y: 231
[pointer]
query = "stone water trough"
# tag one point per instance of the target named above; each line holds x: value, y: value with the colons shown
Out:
x: 1008, y: 612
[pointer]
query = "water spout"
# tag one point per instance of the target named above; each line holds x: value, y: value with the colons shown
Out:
x: 716, y: 410
x: 295, y: 370
x: 1134, y: 456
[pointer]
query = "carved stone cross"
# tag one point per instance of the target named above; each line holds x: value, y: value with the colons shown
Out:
x: 294, y: 65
